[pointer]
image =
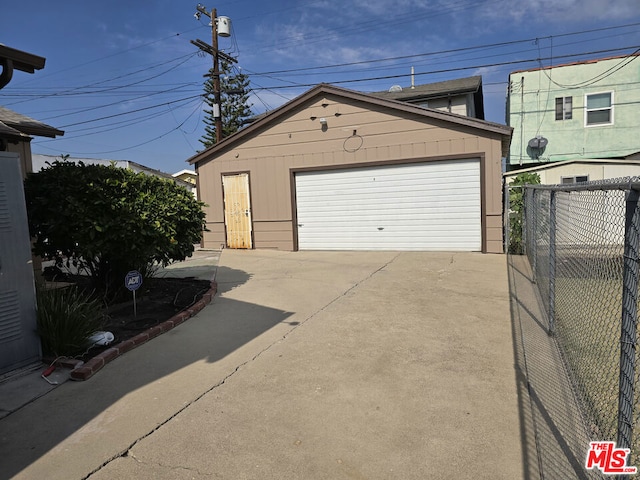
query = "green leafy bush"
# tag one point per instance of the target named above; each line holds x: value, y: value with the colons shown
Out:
x: 107, y: 221
x: 67, y: 317
x: 516, y: 206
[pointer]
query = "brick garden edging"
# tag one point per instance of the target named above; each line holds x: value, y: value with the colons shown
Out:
x: 88, y: 369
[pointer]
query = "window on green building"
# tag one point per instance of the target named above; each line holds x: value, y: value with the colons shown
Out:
x: 564, y: 108
x: 599, y: 109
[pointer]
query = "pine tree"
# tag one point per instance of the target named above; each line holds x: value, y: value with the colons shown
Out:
x: 234, y: 100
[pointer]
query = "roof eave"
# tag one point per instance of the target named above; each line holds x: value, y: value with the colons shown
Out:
x: 23, y: 61
x: 9, y: 133
x: 46, y: 131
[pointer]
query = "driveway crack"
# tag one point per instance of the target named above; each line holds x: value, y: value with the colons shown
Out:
x: 127, y: 451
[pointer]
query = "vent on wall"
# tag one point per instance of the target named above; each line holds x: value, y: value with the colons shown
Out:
x: 10, y: 320
x: 5, y: 217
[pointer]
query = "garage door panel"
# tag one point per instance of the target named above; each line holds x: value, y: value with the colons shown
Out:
x: 363, y: 185
x: 415, y: 220
x: 358, y: 207
x: 391, y: 200
x: 427, y: 206
x: 380, y: 236
x: 413, y: 184
x: 404, y: 227
x: 381, y: 240
x: 391, y: 193
x: 407, y: 168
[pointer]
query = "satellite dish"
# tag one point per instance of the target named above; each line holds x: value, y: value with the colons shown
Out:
x: 395, y: 88
x: 539, y: 142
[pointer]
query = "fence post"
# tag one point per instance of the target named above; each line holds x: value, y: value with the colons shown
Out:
x: 552, y: 263
x: 629, y: 318
x: 534, y: 239
x: 525, y: 221
x: 507, y: 218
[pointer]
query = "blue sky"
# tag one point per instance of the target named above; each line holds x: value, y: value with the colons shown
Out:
x: 123, y: 81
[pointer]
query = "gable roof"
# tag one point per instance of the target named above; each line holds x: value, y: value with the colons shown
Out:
x: 15, y: 125
x: 327, y: 89
x: 434, y: 90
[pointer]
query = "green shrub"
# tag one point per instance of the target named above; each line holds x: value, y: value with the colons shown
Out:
x: 67, y: 317
x: 107, y: 221
x: 516, y: 205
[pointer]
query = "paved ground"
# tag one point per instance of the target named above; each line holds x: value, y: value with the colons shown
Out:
x: 20, y: 387
x: 307, y: 365
x: 554, y: 435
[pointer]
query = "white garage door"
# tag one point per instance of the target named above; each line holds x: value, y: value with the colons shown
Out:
x: 419, y: 206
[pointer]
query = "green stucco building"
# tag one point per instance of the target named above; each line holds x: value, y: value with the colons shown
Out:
x: 580, y: 111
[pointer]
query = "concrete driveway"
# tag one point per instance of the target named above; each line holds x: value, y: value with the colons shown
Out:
x: 308, y: 365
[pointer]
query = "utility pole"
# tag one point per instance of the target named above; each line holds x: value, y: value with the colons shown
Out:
x: 216, y: 72
x: 216, y: 54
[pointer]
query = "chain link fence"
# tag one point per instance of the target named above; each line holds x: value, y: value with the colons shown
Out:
x: 582, y: 243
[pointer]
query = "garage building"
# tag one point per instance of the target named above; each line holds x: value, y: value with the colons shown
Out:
x: 336, y: 169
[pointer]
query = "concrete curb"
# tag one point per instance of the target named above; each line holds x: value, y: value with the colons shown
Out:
x: 91, y: 367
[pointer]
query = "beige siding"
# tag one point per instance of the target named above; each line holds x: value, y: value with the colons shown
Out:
x: 274, y: 234
x: 594, y: 172
x: 382, y: 135
x: 214, y: 237
x: 494, y: 233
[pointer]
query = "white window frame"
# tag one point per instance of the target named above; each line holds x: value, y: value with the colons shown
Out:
x: 586, y: 110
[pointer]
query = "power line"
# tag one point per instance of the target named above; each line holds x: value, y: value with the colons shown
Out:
x: 444, y: 52
x: 75, y: 90
x: 121, y: 123
x: 99, y: 59
x: 267, y: 74
x: 97, y: 107
x: 122, y: 89
x: 359, y: 80
x: 139, y: 144
x: 601, y: 76
x: 471, y: 67
x: 395, y: 66
x: 130, y: 112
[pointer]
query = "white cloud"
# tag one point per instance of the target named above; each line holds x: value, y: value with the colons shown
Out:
x: 388, y: 7
x: 559, y: 11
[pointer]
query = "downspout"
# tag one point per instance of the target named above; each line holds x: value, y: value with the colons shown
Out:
x: 7, y: 72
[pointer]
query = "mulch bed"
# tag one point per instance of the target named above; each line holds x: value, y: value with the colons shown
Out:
x: 157, y: 300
